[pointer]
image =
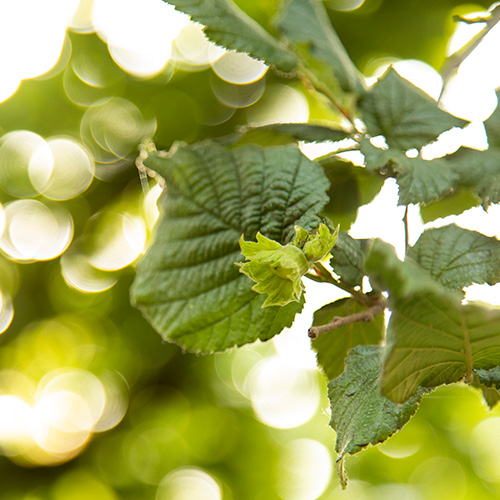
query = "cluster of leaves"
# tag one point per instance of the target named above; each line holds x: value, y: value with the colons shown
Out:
x: 257, y: 184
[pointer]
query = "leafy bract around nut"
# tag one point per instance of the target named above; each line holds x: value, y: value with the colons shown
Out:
x: 277, y: 270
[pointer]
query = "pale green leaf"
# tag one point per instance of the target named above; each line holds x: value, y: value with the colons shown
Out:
x: 188, y: 285
x: 306, y: 25
x: 332, y: 347
x: 458, y: 257
x: 458, y: 201
x: 405, y: 115
x: 360, y: 415
x: 227, y: 25
x: 431, y: 339
x: 347, y: 259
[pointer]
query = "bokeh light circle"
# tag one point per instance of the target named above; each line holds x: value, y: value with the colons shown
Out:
x: 239, y: 68
x: 34, y: 231
x: 79, y: 274
x: 61, y: 169
x: 189, y: 483
x: 283, y: 396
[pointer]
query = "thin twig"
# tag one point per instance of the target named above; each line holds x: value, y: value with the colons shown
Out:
x: 339, y: 321
x: 456, y: 59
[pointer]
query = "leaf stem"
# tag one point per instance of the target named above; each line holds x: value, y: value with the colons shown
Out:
x: 339, y: 321
x: 324, y: 276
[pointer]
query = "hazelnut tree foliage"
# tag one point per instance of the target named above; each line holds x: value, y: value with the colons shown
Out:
x: 244, y: 218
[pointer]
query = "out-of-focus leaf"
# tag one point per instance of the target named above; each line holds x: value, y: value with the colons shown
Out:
x: 332, y: 347
x: 458, y: 201
x: 278, y: 134
x: 492, y: 126
x: 188, y: 285
x: 306, y: 25
x: 457, y: 257
x: 360, y: 415
x: 405, y: 115
x: 226, y: 24
x: 347, y: 259
x: 431, y: 339
x: 350, y: 187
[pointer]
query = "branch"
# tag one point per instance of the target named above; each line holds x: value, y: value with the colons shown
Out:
x: 339, y: 321
x: 456, y: 59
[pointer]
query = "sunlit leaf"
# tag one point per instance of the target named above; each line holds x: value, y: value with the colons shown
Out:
x: 226, y: 24
x: 332, y: 347
x: 458, y: 257
x: 360, y: 415
x: 458, y: 201
x: 431, y: 339
x: 188, y: 285
x: 405, y: 115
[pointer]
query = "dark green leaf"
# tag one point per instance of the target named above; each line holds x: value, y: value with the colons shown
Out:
x: 226, y: 24
x: 405, y: 115
x: 306, y: 25
x: 332, y: 347
x: 489, y: 383
x: 431, y: 339
x: 347, y: 259
x: 360, y: 415
x: 458, y: 257
x: 284, y: 133
x: 458, y: 201
x: 188, y: 285
x: 379, y: 159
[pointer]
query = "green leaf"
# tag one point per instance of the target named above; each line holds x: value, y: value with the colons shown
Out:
x: 284, y: 133
x: 458, y: 257
x: 405, y: 115
x: 188, y: 285
x: 332, y: 347
x: 492, y: 126
x: 306, y: 25
x: 380, y: 159
x: 458, y: 201
x: 360, y: 415
x: 227, y: 25
x: 347, y: 259
x: 350, y: 187
x: 431, y: 339
x: 489, y: 383
x: 479, y: 170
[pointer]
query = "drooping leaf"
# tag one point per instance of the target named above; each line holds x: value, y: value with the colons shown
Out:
x: 458, y: 201
x: 458, y: 257
x: 332, y: 347
x: 405, y: 115
x: 278, y: 134
x: 431, y: 339
x: 306, y: 25
x: 227, y: 25
x: 350, y: 187
x: 188, y: 285
x: 347, y: 259
x: 489, y: 383
x: 360, y: 415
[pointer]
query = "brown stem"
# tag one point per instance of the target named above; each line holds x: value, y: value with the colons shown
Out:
x: 339, y: 321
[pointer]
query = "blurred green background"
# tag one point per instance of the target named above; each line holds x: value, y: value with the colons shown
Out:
x: 92, y: 403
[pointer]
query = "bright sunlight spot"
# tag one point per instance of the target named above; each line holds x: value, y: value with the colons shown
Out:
x: 189, y: 483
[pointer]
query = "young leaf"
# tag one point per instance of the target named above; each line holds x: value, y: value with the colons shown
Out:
x: 332, y: 347
x: 431, y: 339
x: 278, y: 134
x: 405, y: 115
x: 347, y: 260
x: 360, y: 415
x: 458, y: 257
x: 306, y: 25
x: 187, y: 284
x: 226, y: 24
